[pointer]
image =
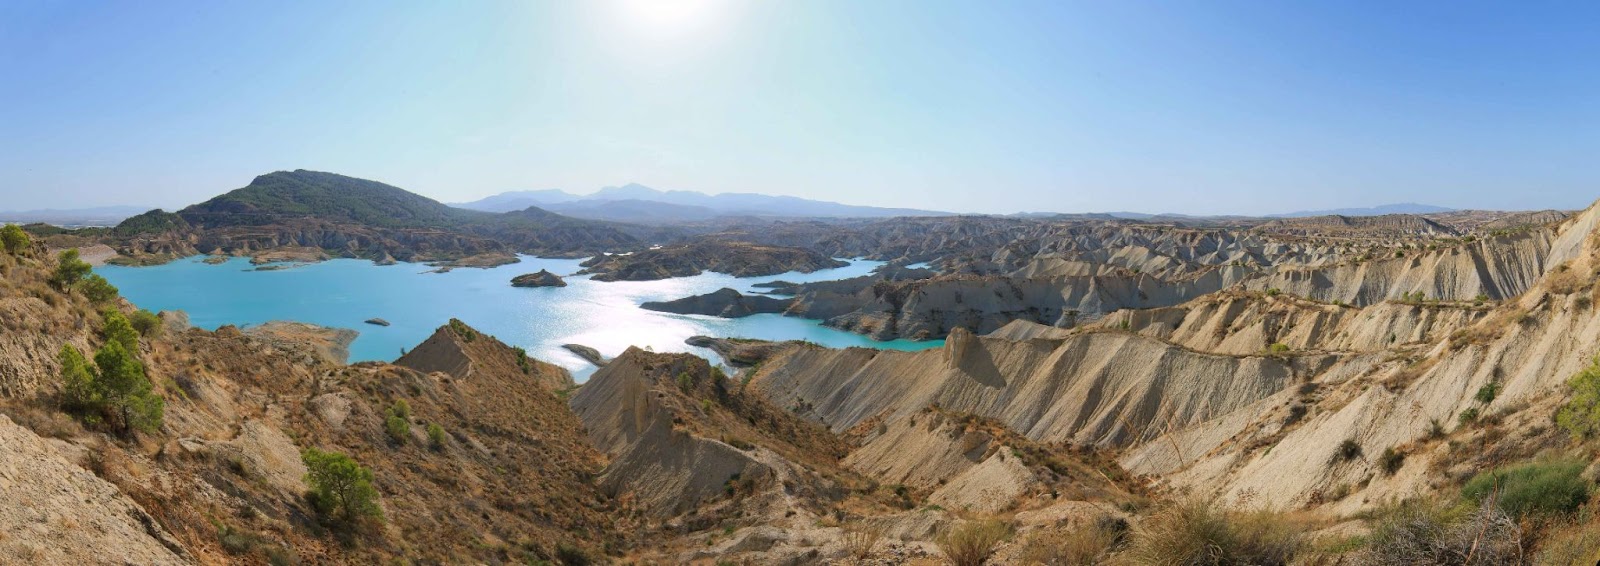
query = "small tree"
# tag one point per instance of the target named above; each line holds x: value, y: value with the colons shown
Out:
x: 146, y: 322
x: 97, y: 289
x: 122, y: 387
x: 118, y: 329
x: 69, y: 269
x: 14, y: 239
x: 397, y: 421
x: 77, y: 381
x: 341, y: 489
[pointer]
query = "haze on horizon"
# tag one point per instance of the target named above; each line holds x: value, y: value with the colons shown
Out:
x: 1197, y: 108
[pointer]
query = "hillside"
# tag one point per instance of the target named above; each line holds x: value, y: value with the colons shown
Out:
x: 350, y: 217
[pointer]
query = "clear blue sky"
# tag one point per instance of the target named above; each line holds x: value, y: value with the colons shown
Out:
x: 1199, y: 107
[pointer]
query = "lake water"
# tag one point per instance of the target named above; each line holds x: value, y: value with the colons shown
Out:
x: 343, y: 293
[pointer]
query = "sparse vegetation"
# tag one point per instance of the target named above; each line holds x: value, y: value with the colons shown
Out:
x: 1488, y: 392
x: 340, y: 489
x: 1437, y: 532
x: 860, y: 538
x: 1580, y: 416
x: 1203, y: 533
x: 1468, y: 416
x: 973, y: 542
x: 1081, y: 546
x: 1535, y: 488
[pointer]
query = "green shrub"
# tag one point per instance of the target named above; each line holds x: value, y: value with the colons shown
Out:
x: 146, y: 322
x: 1488, y: 392
x: 436, y: 435
x: 685, y: 382
x: 1273, y: 292
x: 97, y: 289
x: 340, y: 489
x: 398, y: 428
x: 1580, y: 417
x: 1278, y: 349
x: 69, y: 269
x: 972, y: 543
x: 1391, y: 460
x: 1468, y: 416
x: 1535, y: 488
x: 14, y: 239
x: 118, y: 329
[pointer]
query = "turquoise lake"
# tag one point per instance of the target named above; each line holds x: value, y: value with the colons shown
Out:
x: 343, y: 293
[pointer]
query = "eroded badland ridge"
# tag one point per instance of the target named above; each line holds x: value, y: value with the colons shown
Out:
x: 1307, y: 390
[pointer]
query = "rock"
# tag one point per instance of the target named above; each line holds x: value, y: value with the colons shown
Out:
x: 587, y: 353
x: 377, y: 322
x: 55, y: 512
x: 725, y: 302
x: 328, y: 344
x: 544, y: 278
x: 738, y: 351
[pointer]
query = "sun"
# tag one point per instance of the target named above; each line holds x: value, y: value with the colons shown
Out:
x: 665, y: 19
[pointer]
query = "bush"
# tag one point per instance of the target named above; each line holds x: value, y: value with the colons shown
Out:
x: 1580, y: 417
x: 1201, y: 532
x: 146, y: 322
x: 1277, y: 349
x: 340, y: 489
x: 436, y: 435
x: 1535, y: 488
x: 14, y: 239
x: 1433, y: 532
x: 397, y: 428
x: 97, y: 289
x: 1488, y: 392
x: 861, y: 537
x: 1348, y: 450
x: 973, y: 542
x: 1088, y: 544
x: 1391, y: 461
x: 69, y: 270
x: 1468, y: 416
x: 1273, y: 292
x: 1578, y: 543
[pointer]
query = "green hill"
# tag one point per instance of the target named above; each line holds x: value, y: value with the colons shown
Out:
x: 283, y: 195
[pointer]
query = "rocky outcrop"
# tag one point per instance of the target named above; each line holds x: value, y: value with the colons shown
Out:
x: 733, y: 258
x: 588, y: 354
x: 315, y: 344
x: 725, y: 303
x: 738, y: 351
x: 377, y: 322
x: 1106, y: 389
x: 462, y: 352
x: 544, y: 278
x: 55, y: 512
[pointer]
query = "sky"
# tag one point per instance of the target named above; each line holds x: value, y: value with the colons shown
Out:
x: 990, y: 107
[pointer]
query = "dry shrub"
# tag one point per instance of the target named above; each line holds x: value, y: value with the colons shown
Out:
x: 1578, y: 543
x: 1200, y: 533
x: 861, y: 537
x: 1082, y: 546
x: 1438, y: 532
x: 972, y: 543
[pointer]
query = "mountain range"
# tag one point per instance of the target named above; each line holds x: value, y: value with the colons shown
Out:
x: 641, y: 204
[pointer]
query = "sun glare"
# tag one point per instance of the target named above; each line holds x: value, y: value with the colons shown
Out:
x: 669, y: 18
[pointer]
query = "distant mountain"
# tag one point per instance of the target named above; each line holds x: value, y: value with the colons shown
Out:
x: 518, y: 200
x: 94, y: 216
x: 634, y: 211
x: 725, y: 204
x: 285, y: 195
x: 1400, y: 208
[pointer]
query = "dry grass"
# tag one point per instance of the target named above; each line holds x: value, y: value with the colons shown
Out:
x: 1081, y: 546
x: 861, y: 538
x: 972, y: 543
x: 1199, y: 532
x: 1578, y: 543
x: 1439, y: 532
